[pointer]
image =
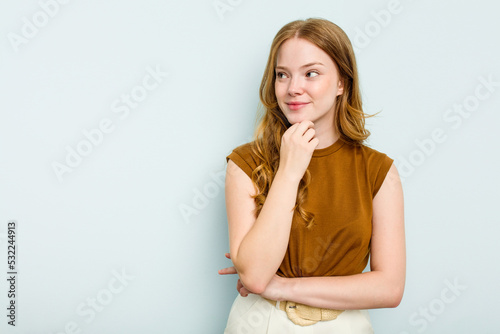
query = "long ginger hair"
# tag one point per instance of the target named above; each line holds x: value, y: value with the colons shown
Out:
x: 349, y: 116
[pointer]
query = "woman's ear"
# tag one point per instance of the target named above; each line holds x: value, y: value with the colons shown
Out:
x: 340, y: 88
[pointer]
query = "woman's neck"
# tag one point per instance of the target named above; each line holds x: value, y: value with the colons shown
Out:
x: 326, y: 136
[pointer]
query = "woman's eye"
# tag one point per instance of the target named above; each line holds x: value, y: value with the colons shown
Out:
x: 280, y: 75
x: 312, y: 74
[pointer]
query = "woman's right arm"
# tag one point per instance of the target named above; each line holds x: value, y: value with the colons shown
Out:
x: 258, y: 245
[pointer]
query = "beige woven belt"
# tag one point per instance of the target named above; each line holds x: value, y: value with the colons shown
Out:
x: 305, y: 315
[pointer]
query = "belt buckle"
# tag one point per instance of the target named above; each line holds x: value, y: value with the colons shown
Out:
x: 305, y: 315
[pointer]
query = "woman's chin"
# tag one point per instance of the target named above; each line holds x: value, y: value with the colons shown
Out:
x: 296, y: 119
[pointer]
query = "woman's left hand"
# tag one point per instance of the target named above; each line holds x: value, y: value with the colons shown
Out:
x: 231, y: 271
x: 273, y: 290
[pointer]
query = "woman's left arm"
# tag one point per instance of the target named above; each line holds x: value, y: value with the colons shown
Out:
x: 381, y: 287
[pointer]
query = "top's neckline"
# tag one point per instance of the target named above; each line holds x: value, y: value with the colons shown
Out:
x: 329, y: 149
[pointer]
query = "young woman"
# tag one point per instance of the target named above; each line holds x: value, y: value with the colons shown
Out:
x: 307, y: 202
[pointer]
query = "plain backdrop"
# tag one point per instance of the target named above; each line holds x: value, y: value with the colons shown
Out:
x: 117, y: 116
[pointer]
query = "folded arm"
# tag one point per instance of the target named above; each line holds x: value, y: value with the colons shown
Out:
x: 257, y: 246
x: 382, y: 286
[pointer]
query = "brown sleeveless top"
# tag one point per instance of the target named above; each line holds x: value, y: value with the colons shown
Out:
x: 345, y: 179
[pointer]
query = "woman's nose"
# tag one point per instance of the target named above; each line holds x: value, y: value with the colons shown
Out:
x: 295, y: 86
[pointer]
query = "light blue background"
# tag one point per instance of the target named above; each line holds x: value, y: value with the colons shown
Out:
x: 121, y: 209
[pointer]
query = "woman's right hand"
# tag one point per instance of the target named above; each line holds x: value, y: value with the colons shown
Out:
x: 297, y: 146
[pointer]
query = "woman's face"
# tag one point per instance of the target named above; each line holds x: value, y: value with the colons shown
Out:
x: 307, y: 83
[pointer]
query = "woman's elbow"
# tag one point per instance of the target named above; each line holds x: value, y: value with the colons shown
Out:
x: 254, y: 284
x: 394, y: 296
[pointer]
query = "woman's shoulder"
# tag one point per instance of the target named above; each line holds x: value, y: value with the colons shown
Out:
x: 372, y: 159
x: 376, y: 164
x: 245, y: 150
x: 245, y: 157
x: 367, y: 152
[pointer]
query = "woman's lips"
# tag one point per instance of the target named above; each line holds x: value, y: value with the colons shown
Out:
x: 297, y: 105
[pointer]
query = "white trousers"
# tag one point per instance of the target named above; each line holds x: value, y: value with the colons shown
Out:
x: 254, y: 315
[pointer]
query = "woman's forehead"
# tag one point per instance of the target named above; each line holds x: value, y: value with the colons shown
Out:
x: 298, y: 53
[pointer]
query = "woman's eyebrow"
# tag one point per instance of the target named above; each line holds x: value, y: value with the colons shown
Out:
x: 306, y: 65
